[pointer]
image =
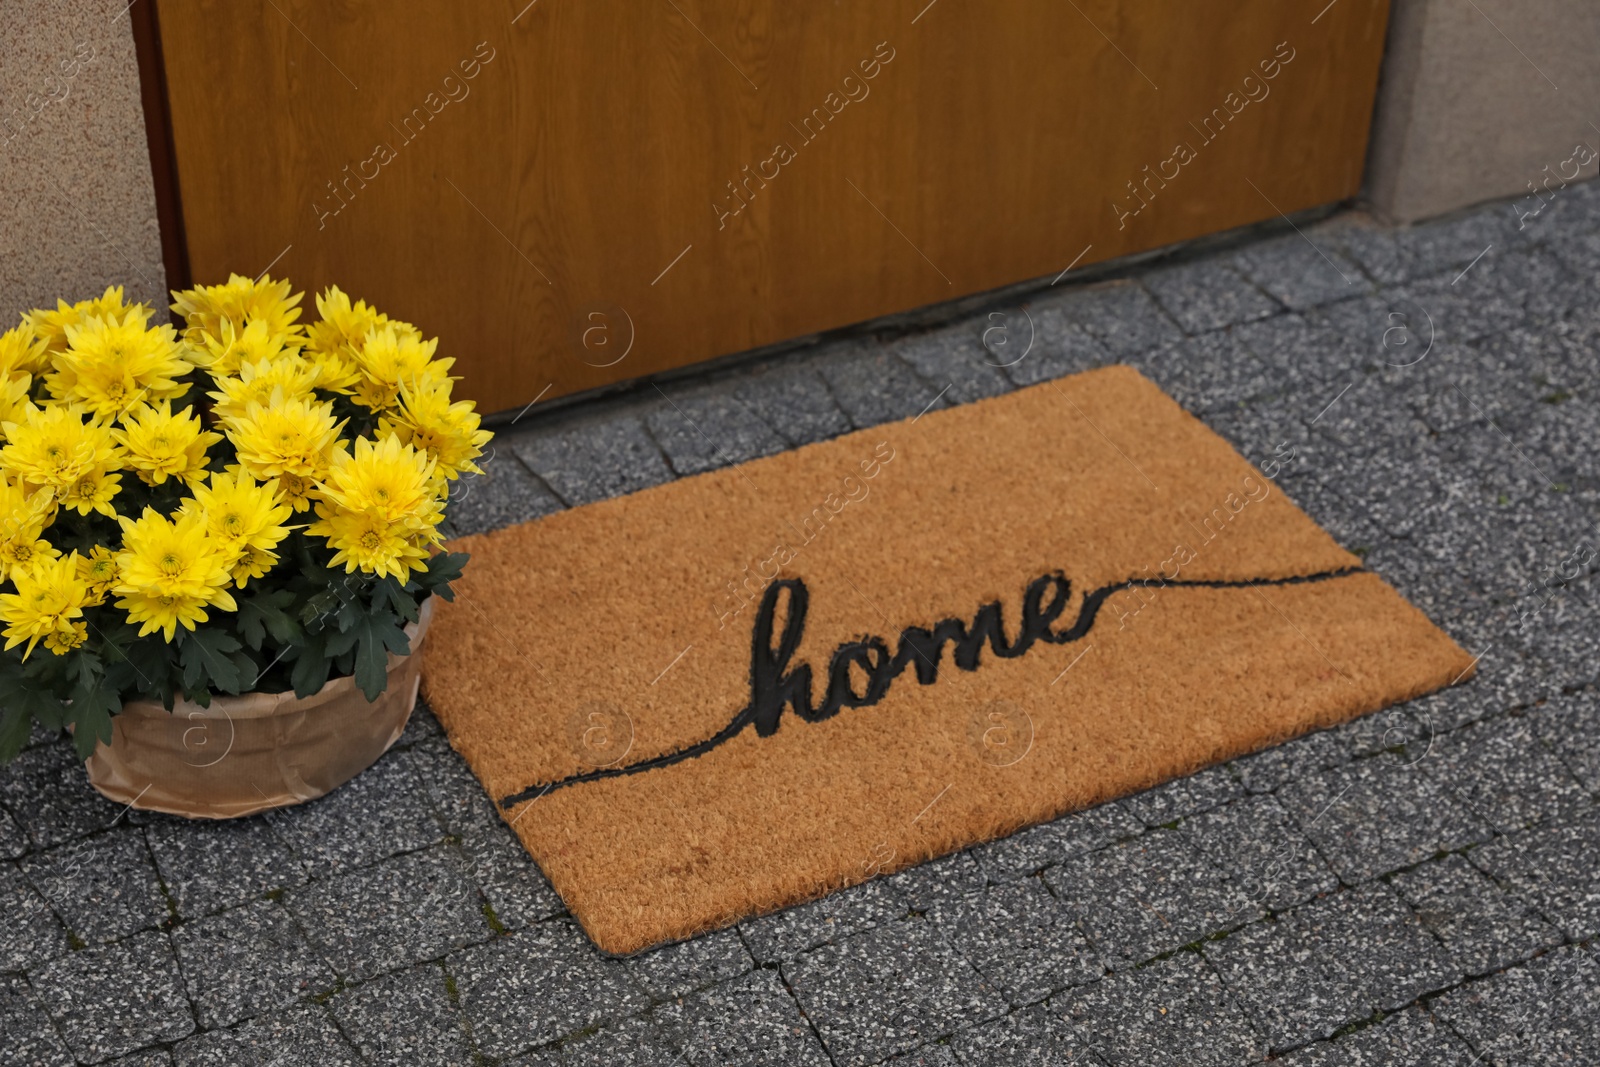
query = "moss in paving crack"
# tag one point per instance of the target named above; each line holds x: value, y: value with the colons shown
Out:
x: 76, y: 943
x: 495, y: 924
x: 339, y: 986
x: 452, y: 990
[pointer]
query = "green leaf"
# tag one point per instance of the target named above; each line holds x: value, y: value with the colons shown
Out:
x: 90, y: 714
x: 373, y: 637
x: 263, y: 614
x: 207, y: 654
x: 311, y: 669
x: 14, y: 729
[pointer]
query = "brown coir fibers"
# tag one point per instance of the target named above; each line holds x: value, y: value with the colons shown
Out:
x: 746, y: 689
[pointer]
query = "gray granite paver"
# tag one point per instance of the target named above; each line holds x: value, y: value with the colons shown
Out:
x: 706, y: 427
x: 103, y: 887
x: 1175, y: 1013
x: 1505, y: 774
x: 1122, y: 316
x: 404, y: 1019
x: 31, y: 932
x: 1208, y: 295
x: 794, y: 400
x: 1037, y: 1036
x: 889, y: 990
x: 1412, y: 1038
x: 1148, y: 896
x: 113, y: 999
x: 788, y: 933
x: 1060, y: 347
x: 247, y: 962
x: 955, y: 356
x: 1020, y: 938
x: 1483, y: 928
x: 47, y: 792
x: 31, y: 1039
x: 1029, y: 850
x: 750, y: 1020
x: 210, y: 866
x: 1380, y: 814
x: 1183, y: 797
x: 1263, y: 851
x: 537, y: 985
x: 594, y: 458
x: 412, y: 908
x: 505, y: 493
x: 304, y: 1034
x: 381, y: 812
x: 678, y: 970
x: 1552, y: 868
x: 874, y: 387
x: 1300, y: 273
x: 1570, y: 725
x: 1544, y: 1012
x: 13, y: 842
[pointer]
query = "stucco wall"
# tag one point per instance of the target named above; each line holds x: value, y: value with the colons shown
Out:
x: 1478, y: 97
x: 79, y: 208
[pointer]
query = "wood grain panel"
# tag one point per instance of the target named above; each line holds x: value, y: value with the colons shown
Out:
x: 561, y: 208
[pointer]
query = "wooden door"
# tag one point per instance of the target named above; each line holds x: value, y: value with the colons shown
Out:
x: 575, y: 192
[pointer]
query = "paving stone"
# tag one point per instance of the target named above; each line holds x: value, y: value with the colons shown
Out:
x: 935, y: 1055
x: 13, y: 842
x: 1060, y: 347
x: 505, y: 493
x: 1505, y: 775
x: 211, y: 865
x: 707, y: 427
x: 1570, y: 725
x: 536, y: 985
x: 103, y: 887
x: 678, y: 970
x: 794, y: 400
x: 1209, y: 373
x: 421, y: 725
x: 888, y: 990
x: 1262, y: 850
x: 30, y: 1038
x: 585, y: 460
x: 1303, y: 355
x: 1020, y: 939
x: 1175, y: 1012
x: 1299, y: 272
x: 31, y: 932
x: 47, y: 791
x: 409, y: 909
x: 1183, y: 797
x: 1412, y: 1038
x: 1121, y: 315
x: 749, y: 1020
x: 954, y: 356
x: 404, y: 1019
x: 1392, y: 728
x: 1148, y: 896
x: 516, y: 890
x: 794, y: 930
x: 1546, y: 1012
x: 1270, y: 768
x: 1331, y: 962
x: 1481, y: 927
x: 1391, y: 254
x: 1033, y: 1037
x: 1377, y: 815
x: 247, y: 961
x: 1464, y: 309
x: 1208, y: 295
x: 944, y: 880
x: 158, y: 1057
x: 873, y: 387
x: 114, y: 999
x: 300, y: 1035
x: 1551, y: 868
x: 1027, y: 851
x: 381, y: 812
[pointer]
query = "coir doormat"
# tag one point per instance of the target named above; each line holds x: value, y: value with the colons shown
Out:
x: 745, y: 689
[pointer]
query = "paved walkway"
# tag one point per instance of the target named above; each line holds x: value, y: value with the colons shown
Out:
x: 1418, y: 887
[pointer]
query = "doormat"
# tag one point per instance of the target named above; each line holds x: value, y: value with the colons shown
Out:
x: 746, y: 689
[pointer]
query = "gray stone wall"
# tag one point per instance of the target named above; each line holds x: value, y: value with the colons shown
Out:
x: 1478, y: 98
x: 78, y: 210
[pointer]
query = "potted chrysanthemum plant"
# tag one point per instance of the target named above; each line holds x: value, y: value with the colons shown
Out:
x: 220, y: 542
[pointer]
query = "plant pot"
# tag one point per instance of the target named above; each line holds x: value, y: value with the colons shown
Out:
x: 249, y: 753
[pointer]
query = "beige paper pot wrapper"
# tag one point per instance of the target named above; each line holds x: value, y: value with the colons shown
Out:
x: 249, y: 753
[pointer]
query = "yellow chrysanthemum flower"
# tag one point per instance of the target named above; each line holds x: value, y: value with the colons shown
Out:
x: 290, y: 374
x: 111, y: 364
x: 244, y: 516
x: 291, y: 440
x: 224, y: 354
x: 48, y: 600
x: 447, y: 431
x: 53, y: 447
x: 365, y: 541
x: 92, y: 492
x: 14, y: 397
x: 239, y: 301
x: 171, y: 571
x: 26, y: 513
x: 21, y: 353
x: 391, y: 356
x: 98, y: 572
x: 51, y: 326
x: 159, y: 443
x: 380, y: 508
